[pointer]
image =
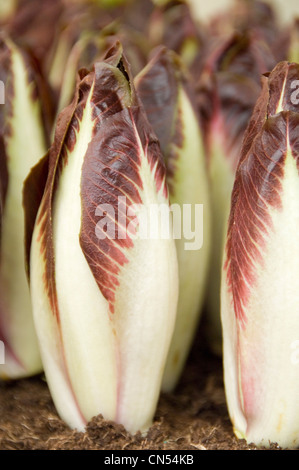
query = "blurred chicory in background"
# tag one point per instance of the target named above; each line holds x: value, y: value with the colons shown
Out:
x: 169, y: 102
x: 23, y: 140
x: 227, y: 89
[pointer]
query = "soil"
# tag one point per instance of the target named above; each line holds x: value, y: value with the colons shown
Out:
x: 194, y: 417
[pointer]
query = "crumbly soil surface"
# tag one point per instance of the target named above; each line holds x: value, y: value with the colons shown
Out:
x: 194, y: 417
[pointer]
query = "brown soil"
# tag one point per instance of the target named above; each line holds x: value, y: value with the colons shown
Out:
x: 194, y: 417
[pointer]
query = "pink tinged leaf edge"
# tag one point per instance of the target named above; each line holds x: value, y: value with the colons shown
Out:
x: 258, y: 184
x: 111, y: 170
x: 272, y: 135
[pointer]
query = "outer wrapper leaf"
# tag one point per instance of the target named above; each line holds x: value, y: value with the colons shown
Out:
x: 260, y: 275
x: 22, y: 143
x: 227, y: 92
x: 104, y: 308
x: 168, y: 101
